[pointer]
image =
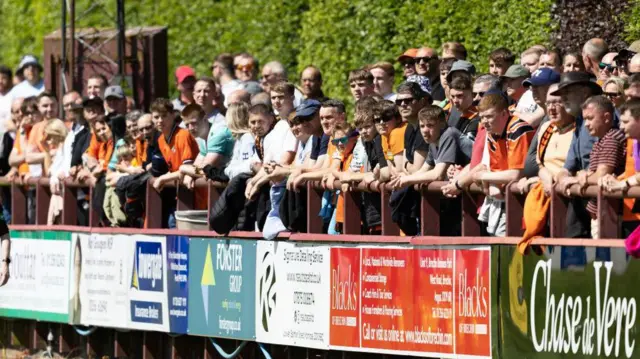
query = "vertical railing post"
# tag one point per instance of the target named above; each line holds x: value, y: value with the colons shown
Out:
x: 153, y: 207
x: 470, y: 222
x: 314, y: 204
x: 43, y: 198
x: 609, y: 215
x: 18, y: 204
x: 514, y: 207
x: 351, y: 216
x: 429, y: 212
x: 67, y: 339
x: 100, y: 343
x: 94, y: 216
x: 69, y: 205
x: 558, y: 213
x: 152, y: 345
x: 186, y: 200
x: 389, y: 228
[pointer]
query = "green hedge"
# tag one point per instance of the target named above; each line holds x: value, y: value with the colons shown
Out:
x: 335, y: 35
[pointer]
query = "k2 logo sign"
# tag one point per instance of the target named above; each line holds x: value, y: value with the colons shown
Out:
x: 267, y: 289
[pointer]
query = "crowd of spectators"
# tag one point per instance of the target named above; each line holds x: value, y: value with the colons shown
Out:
x: 544, y: 119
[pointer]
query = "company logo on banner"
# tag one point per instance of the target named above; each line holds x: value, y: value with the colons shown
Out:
x: 376, y: 307
x: 222, y: 289
x: 292, y: 294
x: 148, y: 267
x: 599, y: 323
x: 266, y: 289
x: 39, y: 284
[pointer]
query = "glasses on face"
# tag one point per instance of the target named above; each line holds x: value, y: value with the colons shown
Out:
x: 340, y: 141
x: 382, y: 120
x: 476, y: 94
x: 422, y: 59
x: 408, y: 64
x: 245, y: 68
x: 612, y: 95
x: 405, y: 101
x: 553, y: 104
x: 609, y: 67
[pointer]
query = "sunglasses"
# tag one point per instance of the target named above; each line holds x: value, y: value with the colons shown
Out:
x: 476, y: 94
x: 423, y: 59
x: 611, y: 95
x: 341, y: 141
x: 609, y: 67
x: 382, y: 120
x: 408, y: 64
x: 244, y: 67
x: 405, y: 101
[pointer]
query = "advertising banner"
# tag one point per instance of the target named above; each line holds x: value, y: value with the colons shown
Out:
x: 571, y: 302
x: 222, y: 288
x: 130, y: 281
x: 427, y: 302
x: 292, y: 294
x: 39, y: 276
x: 101, y: 280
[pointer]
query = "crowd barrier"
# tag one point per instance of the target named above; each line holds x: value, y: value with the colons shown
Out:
x: 158, y: 293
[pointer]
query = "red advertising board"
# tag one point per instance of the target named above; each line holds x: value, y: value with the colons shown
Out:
x: 431, y: 301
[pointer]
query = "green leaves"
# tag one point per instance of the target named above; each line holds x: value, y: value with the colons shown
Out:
x: 335, y: 35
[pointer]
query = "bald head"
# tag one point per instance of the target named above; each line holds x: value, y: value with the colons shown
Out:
x: 592, y: 53
x: 634, y: 64
x: 239, y: 96
x: 426, y: 61
x: 272, y: 73
x: 311, y: 82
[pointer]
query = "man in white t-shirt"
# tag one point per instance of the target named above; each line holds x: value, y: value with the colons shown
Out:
x: 33, y: 84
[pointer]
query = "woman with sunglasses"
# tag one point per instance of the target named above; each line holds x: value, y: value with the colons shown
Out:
x: 613, y: 88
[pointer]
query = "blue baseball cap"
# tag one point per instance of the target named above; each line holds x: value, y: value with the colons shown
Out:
x: 308, y: 107
x: 543, y: 76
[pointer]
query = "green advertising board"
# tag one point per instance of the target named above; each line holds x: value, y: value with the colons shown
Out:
x: 571, y: 302
x: 222, y: 288
x: 38, y: 287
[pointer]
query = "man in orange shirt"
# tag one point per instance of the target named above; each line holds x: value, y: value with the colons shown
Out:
x: 177, y: 145
x: 97, y: 157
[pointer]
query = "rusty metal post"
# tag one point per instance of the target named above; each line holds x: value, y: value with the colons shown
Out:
x: 558, y: 215
x: 94, y: 217
x: 470, y: 222
x: 514, y: 208
x: 609, y: 215
x: 18, y: 204
x: 314, y: 203
x: 389, y: 228
x: 429, y: 213
x: 186, y: 200
x: 153, y: 208
x: 43, y: 198
x: 351, y: 216
x: 69, y: 205
x: 152, y: 345
x: 67, y: 339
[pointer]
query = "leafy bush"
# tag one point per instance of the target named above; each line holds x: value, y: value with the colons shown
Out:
x: 335, y: 35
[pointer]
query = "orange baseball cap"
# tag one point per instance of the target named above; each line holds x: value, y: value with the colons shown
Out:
x: 409, y: 54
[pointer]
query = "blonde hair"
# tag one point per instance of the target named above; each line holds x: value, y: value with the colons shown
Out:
x: 56, y: 129
x: 238, y: 119
x: 618, y: 81
x: 124, y: 152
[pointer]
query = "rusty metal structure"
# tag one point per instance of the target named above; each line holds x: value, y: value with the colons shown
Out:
x: 134, y: 58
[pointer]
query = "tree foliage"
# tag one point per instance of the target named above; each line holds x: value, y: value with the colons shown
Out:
x: 335, y: 35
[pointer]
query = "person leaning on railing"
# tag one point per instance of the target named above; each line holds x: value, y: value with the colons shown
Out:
x: 630, y: 124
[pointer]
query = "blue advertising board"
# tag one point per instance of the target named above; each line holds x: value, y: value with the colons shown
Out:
x: 222, y: 288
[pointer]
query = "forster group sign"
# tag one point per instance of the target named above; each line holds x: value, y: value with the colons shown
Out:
x: 581, y: 306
